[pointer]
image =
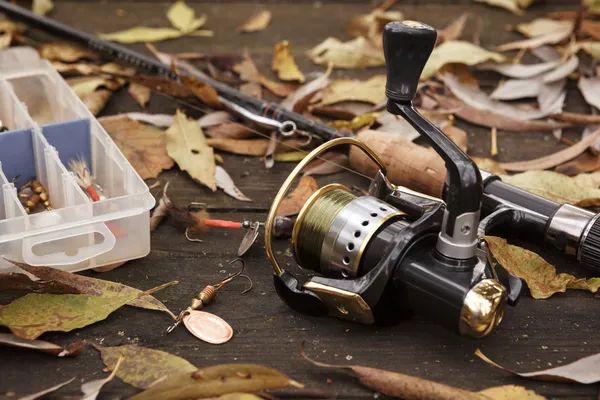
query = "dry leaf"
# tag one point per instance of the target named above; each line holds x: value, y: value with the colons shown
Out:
x: 458, y: 51
x: 141, y: 366
x: 397, y: 125
x: 356, y: 123
x: 239, y: 396
x: 224, y: 182
x: 253, y: 147
x: 141, y: 94
x: 489, y: 165
x: 82, y: 86
x: 371, y: 91
x: 540, y: 276
x: 40, y: 345
x: 298, y: 100
x: 284, y: 64
x: 257, y: 22
x: 590, y: 89
x: 217, y: 380
x: 575, y: 118
x: 454, y: 30
x: 514, y: 6
x: 294, y: 201
x: 552, y: 97
x: 214, y: 118
x: 95, y: 287
x: 160, y: 84
x: 157, y: 120
x: 92, y: 389
x: 42, y: 7
x: 183, y: 17
x: 520, y: 71
x: 462, y: 73
x: 586, y: 162
x: 510, y: 392
x: 544, y: 26
x: 231, y: 130
x: 253, y: 89
x: 585, y: 370
x: 591, y: 28
x: 188, y: 147
x: 248, y: 72
x: 66, y: 52
x: 357, y: 53
x: 555, y: 186
x: 96, y: 101
x: 144, y: 147
x: 329, y: 163
x: 555, y: 159
x: 291, y: 156
x: 592, y: 48
x: 46, y: 391
x: 537, y: 41
x: 277, y: 88
x: 371, y: 25
x: 142, y: 34
x: 13, y: 281
x: 398, y: 385
x: 204, y: 92
x: 492, y: 119
x: 5, y: 40
x: 518, y: 89
x: 562, y: 71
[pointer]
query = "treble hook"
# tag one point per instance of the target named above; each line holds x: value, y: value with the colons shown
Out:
x: 234, y: 276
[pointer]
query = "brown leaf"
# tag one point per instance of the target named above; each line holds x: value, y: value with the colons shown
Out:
x: 253, y: 147
x: 217, y: 380
x: 398, y: 385
x: 586, y: 162
x: 492, y: 119
x: 141, y: 94
x: 46, y: 391
x: 591, y: 28
x: 454, y: 30
x: 248, y: 72
x: 284, y: 64
x: 109, y: 267
x: 40, y: 345
x: 205, y: 93
x: 231, y: 130
x: 253, y: 89
x: 96, y: 101
x: 298, y: 100
x: 575, y: 118
x: 95, y: 287
x: 257, y: 22
x: 277, y: 88
x: 456, y: 134
x: 585, y: 370
x: 294, y: 201
x: 329, y: 163
x: 462, y: 73
x: 160, y: 84
x: 10, y: 281
x: 191, y: 151
x: 555, y: 159
x: 371, y: 91
x: 66, y: 52
x: 540, y: 276
x: 371, y: 25
x: 144, y: 146
x: 141, y: 366
x: 357, y: 53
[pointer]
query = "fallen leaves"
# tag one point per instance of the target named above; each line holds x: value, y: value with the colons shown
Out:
x: 65, y: 52
x: 13, y: 281
x: 585, y: 370
x: 40, y: 345
x: 515, y: 6
x: 510, y: 392
x: 590, y: 89
x: 299, y: 100
x: 371, y: 25
x: 356, y: 53
x: 295, y: 200
x: 217, y: 380
x: 187, y: 145
x: 46, y: 391
x: 204, y: 92
x: 248, y: 72
x: 92, y: 389
x: 141, y: 94
x: 458, y: 51
x: 42, y: 7
x: 252, y: 147
x: 327, y: 164
x: 141, y: 366
x: 184, y: 18
x: 96, y: 101
x: 370, y: 91
x: 257, y: 22
x: 284, y: 64
x: 225, y: 183
x: 540, y: 276
x: 143, y: 146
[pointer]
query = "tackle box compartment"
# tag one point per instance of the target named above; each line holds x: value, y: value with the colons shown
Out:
x: 48, y: 126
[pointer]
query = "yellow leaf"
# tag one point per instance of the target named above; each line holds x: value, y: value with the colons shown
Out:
x: 65, y: 52
x: 86, y: 85
x: 554, y: 186
x: 544, y: 26
x: 42, y: 7
x: 371, y: 91
x: 181, y: 15
x: 96, y: 101
x: 291, y: 156
x: 187, y: 145
x: 257, y: 22
x: 510, y: 392
x: 592, y: 48
x: 295, y: 200
x: 510, y: 5
x: 142, y: 34
x: 5, y: 40
x: 357, y: 53
x: 141, y: 94
x: 540, y: 276
x: 284, y: 63
x: 458, y: 51
x: 371, y: 25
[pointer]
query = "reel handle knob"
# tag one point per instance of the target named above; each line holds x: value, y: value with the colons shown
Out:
x: 407, y: 46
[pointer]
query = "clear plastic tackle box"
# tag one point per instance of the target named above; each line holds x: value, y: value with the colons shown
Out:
x: 49, y: 126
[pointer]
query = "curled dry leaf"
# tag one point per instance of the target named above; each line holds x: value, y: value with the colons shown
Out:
x: 92, y: 389
x: 294, y: 201
x: 540, y: 276
x: 141, y: 366
x: 143, y: 34
x: 590, y: 89
x: 327, y: 164
x: 95, y: 287
x: 550, y: 38
x: 141, y: 94
x: 253, y: 147
x: 224, y: 182
x: 96, y: 101
x: 257, y: 22
x: 370, y: 91
x: 357, y: 53
x: 398, y: 385
x: 42, y: 7
x: 555, y: 159
x: 204, y: 92
x: 187, y: 145
x: 74, y: 349
x: 299, y: 99
x: 46, y: 391
x: 371, y: 25
x: 66, y: 52
x: 562, y: 71
x: 82, y: 86
x: 13, y: 281
x: 457, y: 51
x: 284, y: 64
x: 586, y: 162
x: 216, y: 381
x: 585, y: 370
x: 494, y: 120
x: 556, y: 187
x: 145, y: 147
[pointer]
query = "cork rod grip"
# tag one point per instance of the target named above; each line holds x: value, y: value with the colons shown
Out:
x: 416, y: 167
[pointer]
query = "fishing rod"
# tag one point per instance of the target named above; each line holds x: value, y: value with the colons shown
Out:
x: 261, y: 112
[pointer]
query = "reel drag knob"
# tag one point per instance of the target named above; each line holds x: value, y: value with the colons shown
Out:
x: 407, y: 45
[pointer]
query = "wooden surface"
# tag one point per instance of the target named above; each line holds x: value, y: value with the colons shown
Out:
x: 533, y: 335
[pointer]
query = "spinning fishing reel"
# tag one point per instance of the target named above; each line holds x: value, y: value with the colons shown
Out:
x: 397, y: 250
